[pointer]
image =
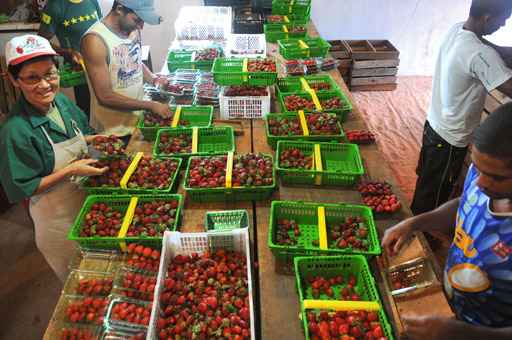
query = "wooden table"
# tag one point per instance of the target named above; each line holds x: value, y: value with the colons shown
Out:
x: 276, y: 300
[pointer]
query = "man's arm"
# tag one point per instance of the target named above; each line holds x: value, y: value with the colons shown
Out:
x: 505, y: 52
x: 95, y: 58
x: 506, y: 88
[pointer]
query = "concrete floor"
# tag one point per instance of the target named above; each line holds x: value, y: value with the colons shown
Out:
x: 29, y: 289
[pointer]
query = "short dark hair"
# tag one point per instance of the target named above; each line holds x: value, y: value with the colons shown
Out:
x: 479, y: 8
x: 493, y: 137
x: 15, y: 70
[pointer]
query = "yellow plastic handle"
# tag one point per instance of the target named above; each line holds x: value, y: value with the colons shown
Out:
x: 369, y: 306
x: 127, y: 221
x: 305, y: 85
x: 285, y: 29
x: 176, y: 118
x: 318, y: 164
x: 315, y: 99
x: 195, y: 137
x: 302, y: 44
x: 285, y: 18
x: 131, y: 169
x: 303, y: 123
x: 322, y: 228
x: 229, y: 170
x: 245, y: 69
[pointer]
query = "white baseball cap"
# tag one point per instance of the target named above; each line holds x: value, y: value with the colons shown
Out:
x: 25, y: 47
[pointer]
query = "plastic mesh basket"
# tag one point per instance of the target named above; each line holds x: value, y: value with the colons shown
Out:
x: 246, y: 46
x: 275, y: 32
x: 305, y: 214
x: 232, y: 107
x: 292, y: 49
x: 294, y: 84
x: 341, y: 164
x: 342, y: 111
x: 226, y: 220
x: 230, y: 72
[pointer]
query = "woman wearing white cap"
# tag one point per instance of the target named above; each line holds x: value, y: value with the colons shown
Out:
x: 40, y: 143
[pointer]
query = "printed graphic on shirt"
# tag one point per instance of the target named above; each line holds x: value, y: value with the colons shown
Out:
x: 478, y: 273
x: 127, y: 61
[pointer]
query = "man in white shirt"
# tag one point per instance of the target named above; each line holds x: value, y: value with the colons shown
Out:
x: 467, y: 68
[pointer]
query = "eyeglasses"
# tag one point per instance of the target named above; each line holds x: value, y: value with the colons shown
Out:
x: 35, y: 79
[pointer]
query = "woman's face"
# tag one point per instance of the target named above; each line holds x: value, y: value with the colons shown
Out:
x: 39, y: 83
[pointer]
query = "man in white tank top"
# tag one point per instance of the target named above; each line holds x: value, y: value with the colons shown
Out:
x: 112, y: 53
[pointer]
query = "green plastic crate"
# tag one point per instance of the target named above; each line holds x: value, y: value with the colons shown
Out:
x: 119, y: 203
x: 71, y: 78
x: 226, y: 220
x: 211, y: 141
x: 293, y: 84
x: 296, y: 9
x: 197, y: 115
x: 179, y: 59
x: 275, y: 32
x: 120, y: 191
x: 272, y: 140
x: 322, y: 95
x: 306, y: 215
x: 341, y: 164
x: 227, y: 72
x: 291, y: 49
x: 247, y: 193
x: 386, y: 326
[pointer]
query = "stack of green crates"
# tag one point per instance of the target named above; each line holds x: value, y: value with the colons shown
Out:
x: 119, y: 203
x: 275, y: 32
x: 70, y: 77
x: 227, y: 72
x: 341, y: 164
x: 292, y: 49
x: 210, y: 141
x: 196, y: 115
x: 333, y: 266
x: 294, y: 9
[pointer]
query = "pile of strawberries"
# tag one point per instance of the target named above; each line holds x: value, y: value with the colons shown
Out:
x: 138, y: 286
x: 357, y: 325
x: 285, y: 127
x: 352, y: 233
x: 143, y: 258
x: 206, y: 296
x: 295, y: 159
x: 94, y: 286
x: 114, y: 174
x: 379, y: 196
x: 153, y: 173
x: 245, y: 91
x: 175, y: 145
x: 331, y: 104
x: 320, y: 86
x: 151, y: 219
x: 108, y: 145
x: 360, y: 137
x: 287, y: 232
x: 333, y: 288
x: 322, y: 124
x: 207, y: 172
x: 75, y: 333
x: 101, y: 220
x: 261, y: 65
x: 134, y: 313
x: 155, y: 120
x: 295, y: 103
x: 87, y: 310
x: 207, y: 54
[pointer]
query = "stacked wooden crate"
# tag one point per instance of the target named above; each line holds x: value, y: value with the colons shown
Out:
x: 372, y: 65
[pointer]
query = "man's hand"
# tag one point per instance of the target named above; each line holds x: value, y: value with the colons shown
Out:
x: 160, y: 80
x: 160, y: 109
x: 394, y: 238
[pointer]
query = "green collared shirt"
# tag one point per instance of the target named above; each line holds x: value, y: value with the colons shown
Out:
x: 26, y: 155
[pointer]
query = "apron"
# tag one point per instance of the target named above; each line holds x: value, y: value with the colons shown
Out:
x: 54, y: 210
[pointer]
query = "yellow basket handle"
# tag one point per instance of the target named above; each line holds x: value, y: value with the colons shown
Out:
x: 245, y: 69
x: 322, y: 228
x: 318, y: 164
x: 229, y: 170
x: 285, y: 19
x: 127, y: 221
x: 285, y: 29
x: 302, y: 44
x: 305, y: 85
x: 131, y: 169
x: 347, y: 306
x: 303, y: 123
x: 176, y: 118
x: 195, y: 137
x: 315, y: 99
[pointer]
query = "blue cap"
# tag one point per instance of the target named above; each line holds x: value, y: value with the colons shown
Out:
x: 144, y: 9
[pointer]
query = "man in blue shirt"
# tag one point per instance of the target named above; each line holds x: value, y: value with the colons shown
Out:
x: 478, y: 272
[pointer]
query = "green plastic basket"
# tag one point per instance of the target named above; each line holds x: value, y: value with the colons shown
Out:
x: 386, y: 326
x: 120, y: 191
x: 293, y: 84
x: 226, y: 220
x: 197, y: 115
x: 322, y: 95
x: 275, y: 32
x: 291, y: 48
x: 71, y: 78
x: 119, y: 203
x: 247, y: 193
x: 341, y: 164
x: 179, y: 59
x: 306, y: 215
x: 211, y: 141
x: 272, y: 140
x: 296, y: 9
x: 228, y: 72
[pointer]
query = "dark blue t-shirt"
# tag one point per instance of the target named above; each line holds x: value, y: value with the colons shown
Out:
x: 478, y: 273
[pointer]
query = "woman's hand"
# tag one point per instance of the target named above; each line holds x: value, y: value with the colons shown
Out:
x: 160, y: 109
x: 83, y: 167
x: 394, y: 238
